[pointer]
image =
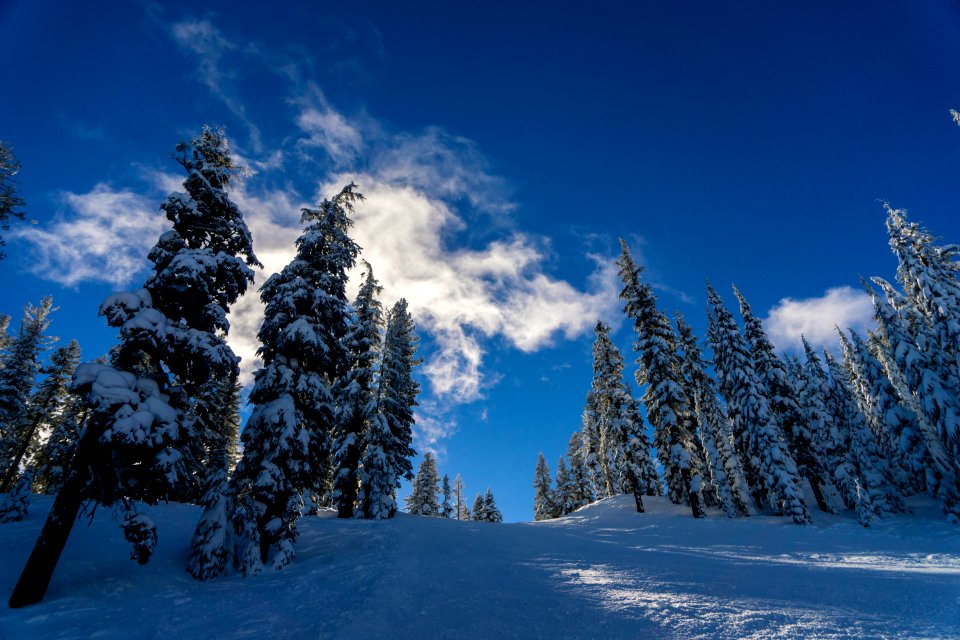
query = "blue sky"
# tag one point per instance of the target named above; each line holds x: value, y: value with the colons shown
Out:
x: 503, y: 149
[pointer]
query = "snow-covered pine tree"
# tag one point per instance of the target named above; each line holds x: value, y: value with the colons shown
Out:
x: 16, y: 380
x: 923, y: 391
x: 287, y: 437
x: 356, y: 393
x: 426, y: 485
x: 715, y: 430
x: 605, y: 404
x: 14, y: 505
x: 378, y: 481
x: 10, y: 199
x: 563, y: 495
x: 929, y: 275
x: 669, y: 410
x: 590, y: 454
x: 638, y: 469
x: 786, y: 412
x: 446, y: 506
x: 44, y: 410
x: 5, y: 338
x: 543, y: 504
x: 461, y: 510
x: 769, y: 469
x: 479, y: 509
x: 490, y: 511
x: 582, y: 487
x: 872, y: 493
x: 54, y: 458
x: 397, y: 391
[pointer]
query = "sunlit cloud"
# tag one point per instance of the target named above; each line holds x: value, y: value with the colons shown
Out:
x: 816, y: 319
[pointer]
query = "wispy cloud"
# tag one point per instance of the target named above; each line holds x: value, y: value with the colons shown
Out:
x: 817, y: 318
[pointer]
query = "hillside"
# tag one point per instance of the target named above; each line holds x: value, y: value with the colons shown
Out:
x: 603, y: 572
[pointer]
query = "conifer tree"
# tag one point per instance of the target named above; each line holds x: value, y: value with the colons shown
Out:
x: 356, y: 393
x: 784, y: 408
x: 638, y: 469
x: 54, y: 458
x: 461, y: 510
x: 728, y: 478
x: 397, y: 391
x: 479, y: 508
x: 10, y: 199
x: 543, y: 505
x: 669, y: 410
x: 606, y: 408
x: 4, y: 336
x: 582, y: 487
x: 490, y: 511
x: 770, y: 470
x: 426, y: 485
x: 44, y: 409
x: 446, y: 506
x: 14, y: 505
x: 16, y: 380
x: 378, y: 480
x: 286, y: 441
x: 563, y: 495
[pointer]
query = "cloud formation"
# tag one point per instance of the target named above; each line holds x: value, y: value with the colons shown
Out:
x: 817, y: 318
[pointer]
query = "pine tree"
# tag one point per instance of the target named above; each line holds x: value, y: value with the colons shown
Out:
x: 479, y: 508
x: 784, y: 408
x: 461, y: 510
x: 10, y: 200
x: 446, y: 507
x: 770, y: 470
x: 356, y: 393
x: 490, y: 511
x: 582, y: 488
x: 54, y: 458
x: 590, y: 453
x: 728, y: 478
x: 397, y: 391
x: 378, y: 479
x: 286, y: 441
x: 14, y: 505
x: 426, y: 486
x: 5, y: 338
x: 563, y: 495
x: 45, y: 409
x: 16, y: 381
x: 543, y: 505
x: 668, y: 408
x: 638, y: 471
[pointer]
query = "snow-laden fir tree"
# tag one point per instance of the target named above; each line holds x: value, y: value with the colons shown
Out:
x: 356, y: 393
x: 378, y: 481
x: 924, y: 392
x: 479, y: 508
x: 14, y: 505
x: 461, y: 510
x: 44, y: 410
x: 490, y: 511
x: 607, y: 411
x: 715, y: 431
x: 872, y: 493
x: 10, y: 199
x: 581, y: 484
x: 769, y: 469
x: 55, y: 456
x: 669, y: 409
x: 784, y: 408
x: 543, y: 503
x: 894, y: 426
x: 563, y: 495
x: 426, y: 486
x: 929, y: 275
x: 397, y: 391
x: 4, y: 335
x: 286, y: 441
x: 446, y: 504
x: 17, y: 376
x: 590, y: 454
x: 638, y: 472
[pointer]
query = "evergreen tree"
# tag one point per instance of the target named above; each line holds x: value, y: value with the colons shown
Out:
x: 490, y: 511
x: 10, y: 200
x: 426, y: 485
x: 590, y: 453
x: 770, y: 470
x: 638, y: 470
x: 479, y: 508
x: 563, y: 496
x: 543, y: 504
x: 461, y: 510
x: 397, y: 391
x: 668, y: 408
x: 5, y: 338
x: 14, y: 505
x: 784, y: 408
x: 728, y: 478
x: 16, y: 381
x: 378, y: 480
x: 356, y: 393
x: 581, y: 486
x: 286, y: 441
x: 45, y: 408
x: 53, y: 459
x: 446, y: 507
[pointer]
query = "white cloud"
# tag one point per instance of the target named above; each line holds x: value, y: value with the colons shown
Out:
x: 105, y: 237
x: 330, y: 131
x: 817, y: 318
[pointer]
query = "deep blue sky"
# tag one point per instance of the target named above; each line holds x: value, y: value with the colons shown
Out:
x: 741, y: 142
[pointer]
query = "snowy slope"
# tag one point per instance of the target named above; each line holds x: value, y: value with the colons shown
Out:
x: 603, y: 572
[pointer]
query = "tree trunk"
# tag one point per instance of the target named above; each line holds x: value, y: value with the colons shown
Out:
x: 638, y: 497
x: 38, y: 571
x: 695, y: 506
x: 346, y: 482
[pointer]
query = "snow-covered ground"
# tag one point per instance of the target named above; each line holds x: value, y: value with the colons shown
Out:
x: 603, y: 572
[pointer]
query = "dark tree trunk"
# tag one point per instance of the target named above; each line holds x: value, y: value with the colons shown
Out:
x: 638, y: 497
x: 695, y: 506
x: 39, y: 569
x: 346, y: 482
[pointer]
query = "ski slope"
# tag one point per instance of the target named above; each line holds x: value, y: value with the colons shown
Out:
x: 603, y: 572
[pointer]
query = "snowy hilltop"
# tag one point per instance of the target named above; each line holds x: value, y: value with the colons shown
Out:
x: 604, y: 571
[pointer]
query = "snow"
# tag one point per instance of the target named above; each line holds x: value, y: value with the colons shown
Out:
x: 602, y: 572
